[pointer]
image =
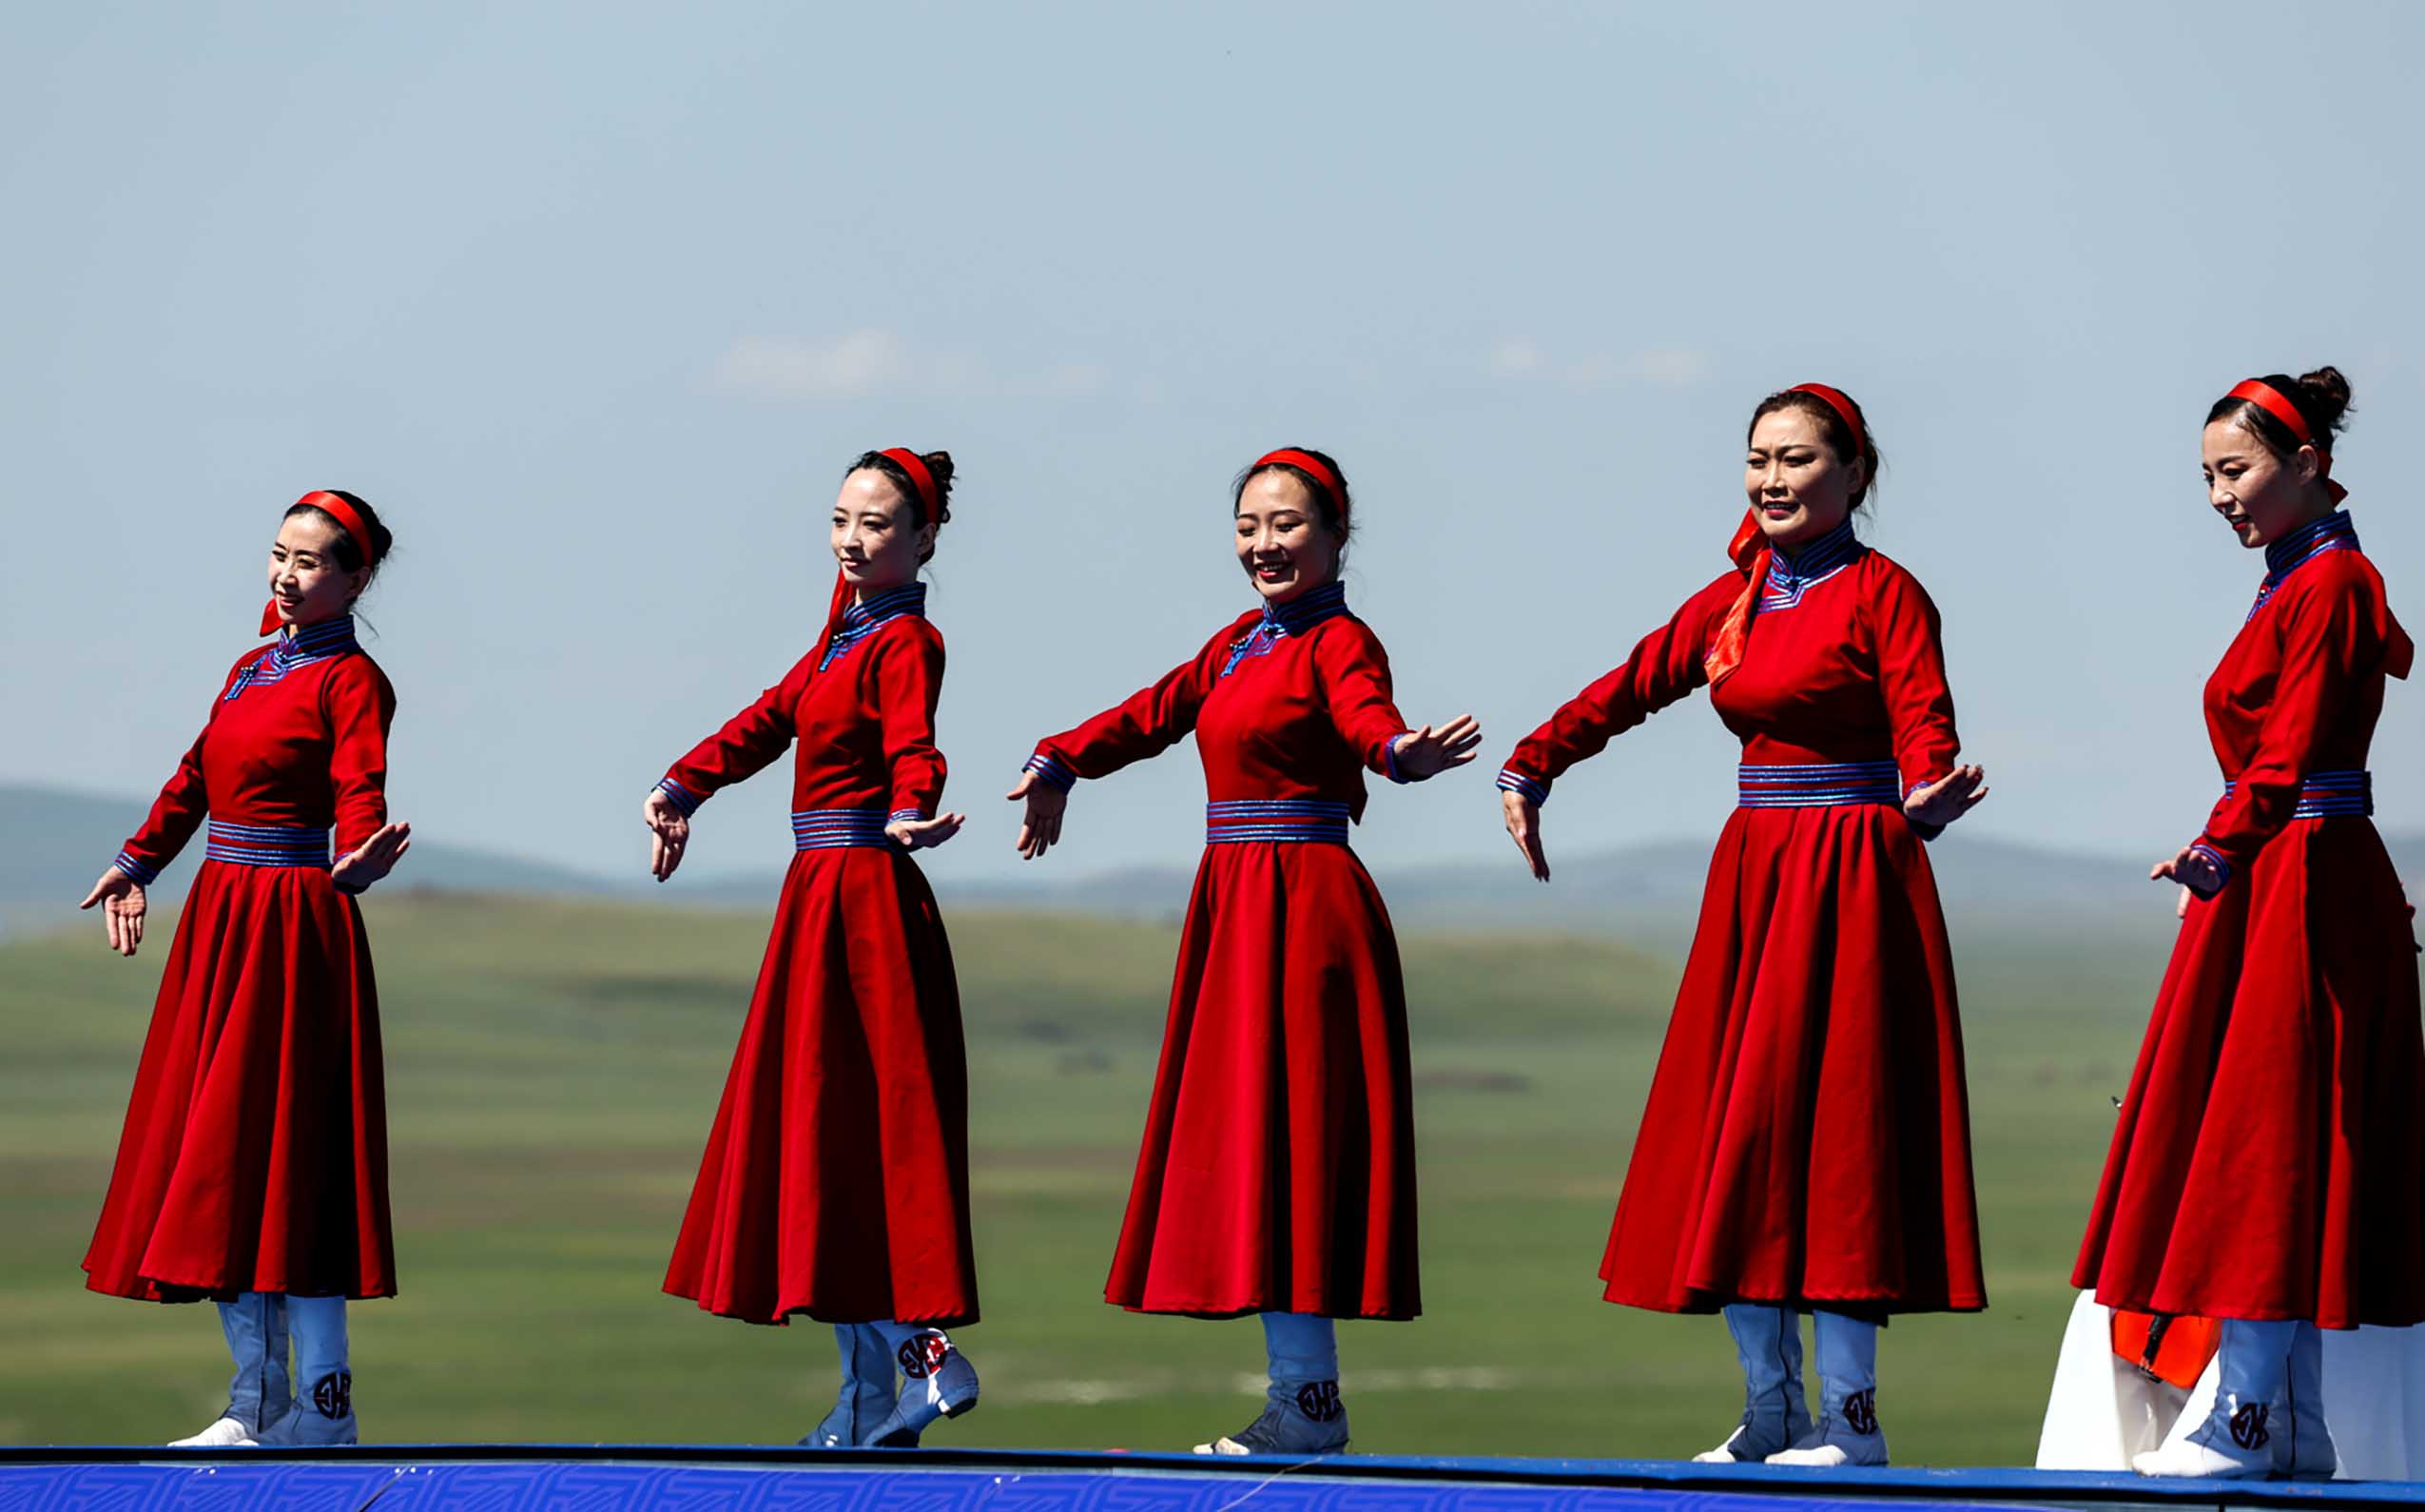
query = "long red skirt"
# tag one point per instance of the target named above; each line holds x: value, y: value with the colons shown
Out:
x: 836, y: 1180
x: 1808, y: 1135
x: 1277, y: 1170
x: 2270, y: 1158
x: 255, y: 1151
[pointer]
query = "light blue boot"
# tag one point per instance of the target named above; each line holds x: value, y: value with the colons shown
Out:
x: 260, y: 1395
x: 1776, y: 1415
x: 1302, y: 1410
x: 323, y: 1415
x: 2304, y: 1448
x: 866, y: 1389
x: 939, y: 1383
x: 1847, y: 1431
x: 2237, y: 1440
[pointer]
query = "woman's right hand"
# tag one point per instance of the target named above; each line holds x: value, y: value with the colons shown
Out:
x: 1040, y: 828
x: 122, y: 909
x: 1524, y: 827
x: 668, y: 832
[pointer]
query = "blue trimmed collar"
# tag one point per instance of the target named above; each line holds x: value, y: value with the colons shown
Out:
x: 2334, y: 531
x: 1307, y: 609
x: 861, y: 619
x: 312, y: 643
x: 1813, y: 560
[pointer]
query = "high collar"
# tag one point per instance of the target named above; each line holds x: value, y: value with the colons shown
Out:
x: 312, y: 643
x: 2334, y: 531
x: 909, y: 598
x: 1307, y: 609
x: 1815, y: 558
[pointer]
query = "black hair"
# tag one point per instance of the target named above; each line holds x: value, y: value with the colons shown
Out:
x: 1840, y: 439
x: 1338, y: 515
x: 938, y: 467
x: 348, y: 553
x: 2321, y: 397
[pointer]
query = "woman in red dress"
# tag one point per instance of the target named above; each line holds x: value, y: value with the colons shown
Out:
x: 2266, y: 1166
x: 835, y: 1182
x: 253, y: 1167
x: 1806, y: 1146
x: 1278, y: 1172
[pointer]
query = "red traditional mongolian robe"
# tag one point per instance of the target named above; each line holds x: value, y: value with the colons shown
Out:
x: 1807, y: 1138
x: 2270, y: 1158
x: 255, y: 1151
x: 836, y: 1180
x: 1277, y: 1170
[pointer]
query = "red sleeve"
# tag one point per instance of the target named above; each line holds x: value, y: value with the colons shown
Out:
x: 909, y: 680
x: 359, y: 705
x: 1664, y: 668
x: 182, y: 805
x: 2332, y: 631
x: 1148, y: 722
x: 1354, y: 674
x: 1910, y: 674
x: 742, y: 747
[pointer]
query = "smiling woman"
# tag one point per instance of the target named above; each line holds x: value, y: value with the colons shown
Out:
x: 1276, y: 1174
x: 835, y: 1181
x: 253, y: 1167
x: 1806, y: 1144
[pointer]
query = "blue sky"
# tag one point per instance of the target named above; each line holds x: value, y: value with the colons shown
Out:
x: 595, y: 303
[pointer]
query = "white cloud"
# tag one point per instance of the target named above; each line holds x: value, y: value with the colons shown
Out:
x: 1520, y: 360
x: 864, y: 364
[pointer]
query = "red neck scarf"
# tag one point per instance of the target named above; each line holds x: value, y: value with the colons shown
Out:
x: 1750, y: 552
x: 345, y: 515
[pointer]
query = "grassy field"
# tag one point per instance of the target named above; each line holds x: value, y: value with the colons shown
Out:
x: 553, y: 1068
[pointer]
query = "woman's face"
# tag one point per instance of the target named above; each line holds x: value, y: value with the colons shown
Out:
x: 2261, y: 496
x: 874, y: 538
x: 1282, y: 542
x: 306, y: 581
x: 1799, y: 488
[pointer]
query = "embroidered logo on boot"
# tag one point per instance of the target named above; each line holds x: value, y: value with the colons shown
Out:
x: 334, y: 1394
x: 922, y: 1354
x: 1860, y: 1411
x: 1319, y: 1401
x: 2248, y: 1426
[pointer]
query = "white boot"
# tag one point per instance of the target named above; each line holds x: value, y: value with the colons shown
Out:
x: 2235, y: 1442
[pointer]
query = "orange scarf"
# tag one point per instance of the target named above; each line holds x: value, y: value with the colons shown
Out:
x: 1751, y: 552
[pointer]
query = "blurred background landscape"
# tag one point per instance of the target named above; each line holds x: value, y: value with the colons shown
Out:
x: 556, y: 1043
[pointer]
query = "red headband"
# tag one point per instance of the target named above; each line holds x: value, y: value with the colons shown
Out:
x: 1845, y: 408
x: 919, y: 478
x: 1311, y: 466
x: 2276, y: 403
x: 349, y: 519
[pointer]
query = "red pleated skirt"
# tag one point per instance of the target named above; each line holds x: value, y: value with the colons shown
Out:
x: 835, y: 1182
x: 1808, y: 1135
x: 1277, y: 1170
x: 2269, y: 1161
x: 255, y: 1151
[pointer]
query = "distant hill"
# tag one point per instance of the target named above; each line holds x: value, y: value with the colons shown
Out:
x: 1997, y: 895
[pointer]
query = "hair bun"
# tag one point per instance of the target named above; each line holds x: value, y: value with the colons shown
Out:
x: 940, y: 465
x: 2324, y: 394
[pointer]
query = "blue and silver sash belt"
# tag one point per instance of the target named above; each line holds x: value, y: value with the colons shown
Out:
x: 1819, y: 785
x: 260, y: 846
x: 833, y: 828
x: 2322, y: 795
x: 1312, y: 820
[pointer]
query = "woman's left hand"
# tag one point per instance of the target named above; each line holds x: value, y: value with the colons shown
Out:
x: 372, y: 860
x: 919, y: 834
x: 1428, y: 752
x: 2194, y: 869
x: 1949, y: 798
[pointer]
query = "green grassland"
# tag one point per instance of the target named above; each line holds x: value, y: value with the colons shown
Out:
x: 553, y: 1068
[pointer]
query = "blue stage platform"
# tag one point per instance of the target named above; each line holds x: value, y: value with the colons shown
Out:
x: 605, y: 1478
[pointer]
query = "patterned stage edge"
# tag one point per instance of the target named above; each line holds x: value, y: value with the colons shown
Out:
x: 601, y: 1477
